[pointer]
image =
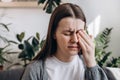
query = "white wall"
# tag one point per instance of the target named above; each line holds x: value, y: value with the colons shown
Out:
x: 29, y: 20
x: 100, y: 14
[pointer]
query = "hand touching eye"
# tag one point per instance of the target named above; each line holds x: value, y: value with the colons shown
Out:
x: 88, y: 48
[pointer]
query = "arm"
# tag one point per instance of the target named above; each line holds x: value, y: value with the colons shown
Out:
x: 35, y: 71
x: 95, y: 73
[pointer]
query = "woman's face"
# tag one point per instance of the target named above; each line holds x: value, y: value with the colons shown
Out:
x: 66, y: 36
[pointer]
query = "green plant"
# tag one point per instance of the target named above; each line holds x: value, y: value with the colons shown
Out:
x: 102, y: 40
x: 2, y: 59
x: 28, y: 49
x: 2, y: 25
x: 3, y: 50
x: 114, y: 62
x: 49, y: 4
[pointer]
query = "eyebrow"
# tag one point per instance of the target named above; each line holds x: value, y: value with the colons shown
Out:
x: 72, y: 30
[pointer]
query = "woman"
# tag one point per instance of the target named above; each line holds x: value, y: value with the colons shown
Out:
x: 69, y: 52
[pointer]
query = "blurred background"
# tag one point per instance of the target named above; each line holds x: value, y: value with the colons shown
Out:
x: 31, y: 18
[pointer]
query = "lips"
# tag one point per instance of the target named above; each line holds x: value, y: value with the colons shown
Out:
x: 73, y: 47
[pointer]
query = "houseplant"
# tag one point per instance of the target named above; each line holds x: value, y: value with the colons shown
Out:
x: 2, y: 58
x: 2, y: 49
x: 49, y: 4
x: 102, y: 55
x: 28, y: 46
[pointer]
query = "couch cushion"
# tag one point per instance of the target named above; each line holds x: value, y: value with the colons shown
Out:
x: 112, y: 73
x: 13, y: 74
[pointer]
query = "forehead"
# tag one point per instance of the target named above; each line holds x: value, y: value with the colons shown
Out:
x: 71, y: 23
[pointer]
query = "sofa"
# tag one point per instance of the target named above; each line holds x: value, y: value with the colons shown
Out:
x: 16, y: 74
x: 13, y: 74
x: 112, y: 73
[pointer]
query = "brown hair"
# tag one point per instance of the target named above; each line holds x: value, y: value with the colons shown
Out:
x: 62, y: 11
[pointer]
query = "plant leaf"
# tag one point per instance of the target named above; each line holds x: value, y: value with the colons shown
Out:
x: 49, y: 8
x: 42, y: 43
x: 29, y: 49
x: 20, y: 36
x: 38, y: 36
x: 35, y: 42
x: 57, y: 2
x: 11, y: 41
x: 41, y: 1
x: 5, y: 26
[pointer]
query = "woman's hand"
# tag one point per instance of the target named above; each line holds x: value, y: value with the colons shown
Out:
x: 86, y: 42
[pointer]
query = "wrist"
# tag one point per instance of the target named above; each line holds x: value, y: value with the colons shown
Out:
x: 91, y: 63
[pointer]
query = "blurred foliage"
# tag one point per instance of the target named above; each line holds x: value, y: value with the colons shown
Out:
x: 2, y: 53
x: 114, y: 62
x: 28, y: 48
x: 2, y: 25
x: 3, y: 50
x: 50, y: 5
x: 102, y: 55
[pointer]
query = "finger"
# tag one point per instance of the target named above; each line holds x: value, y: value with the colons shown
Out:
x: 86, y: 37
x: 84, y: 32
x: 82, y: 43
x: 92, y: 38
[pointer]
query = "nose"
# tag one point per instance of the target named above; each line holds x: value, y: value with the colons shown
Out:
x: 74, y: 38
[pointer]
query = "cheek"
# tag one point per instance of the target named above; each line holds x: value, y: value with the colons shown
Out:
x: 62, y: 40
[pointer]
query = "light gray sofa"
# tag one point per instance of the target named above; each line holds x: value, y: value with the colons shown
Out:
x: 112, y: 73
x: 16, y: 74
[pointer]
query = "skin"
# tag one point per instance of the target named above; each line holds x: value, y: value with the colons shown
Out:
x: 71, y: 38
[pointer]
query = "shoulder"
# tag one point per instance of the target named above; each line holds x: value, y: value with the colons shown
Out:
x: 35, y: 65
x: 33, y: 70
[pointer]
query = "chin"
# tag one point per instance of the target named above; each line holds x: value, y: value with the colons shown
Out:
x: 73, y: 52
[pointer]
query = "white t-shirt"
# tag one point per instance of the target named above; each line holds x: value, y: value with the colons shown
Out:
x: 58, y: 70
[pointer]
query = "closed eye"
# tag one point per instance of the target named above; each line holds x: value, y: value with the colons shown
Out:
x: 68, y: 33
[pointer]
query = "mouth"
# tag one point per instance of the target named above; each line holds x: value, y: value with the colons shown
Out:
x: 74, y: 47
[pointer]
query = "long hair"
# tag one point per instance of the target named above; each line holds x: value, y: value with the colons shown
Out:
x: 62, y: 11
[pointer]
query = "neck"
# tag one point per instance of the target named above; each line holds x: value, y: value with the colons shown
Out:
x: 64, y: 58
